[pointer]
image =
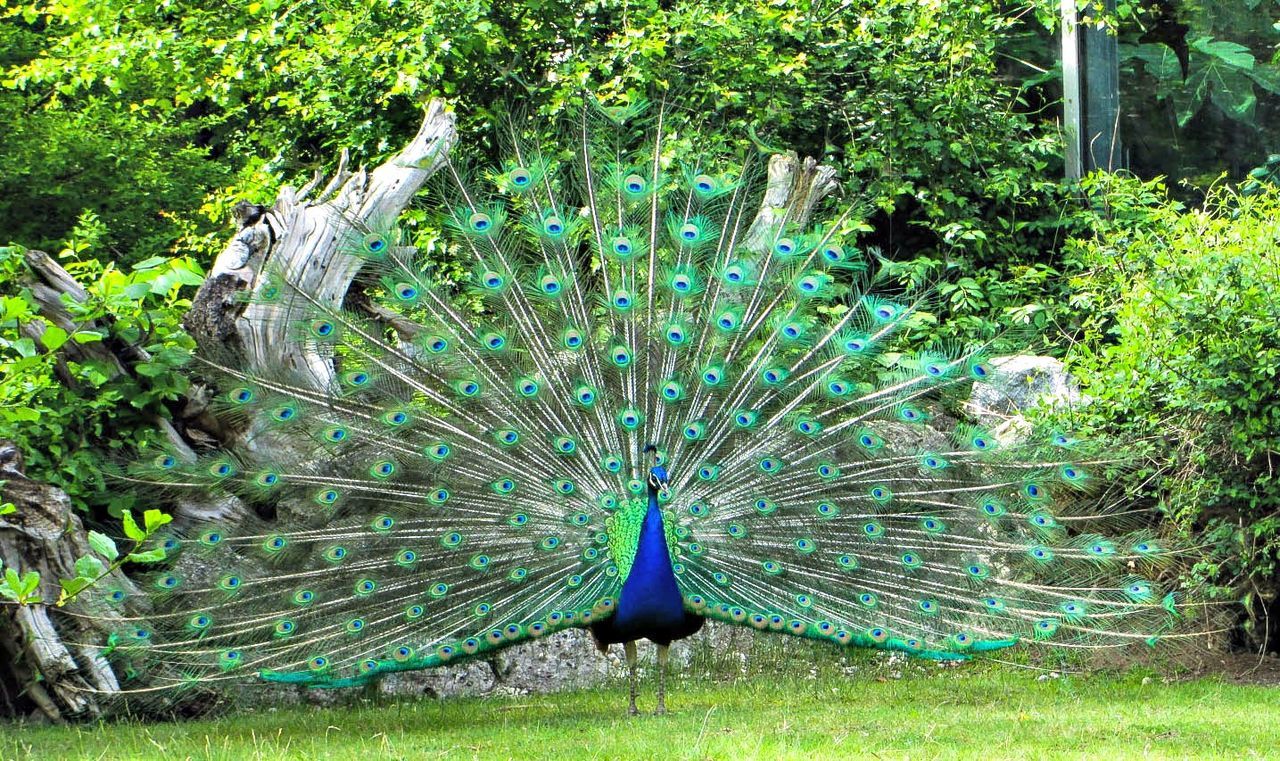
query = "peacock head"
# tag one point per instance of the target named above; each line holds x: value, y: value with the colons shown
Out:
x: 659, y: 482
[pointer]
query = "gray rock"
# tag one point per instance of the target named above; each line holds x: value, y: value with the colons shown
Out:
x: 563, y: 660
x: 560, y: 661
x: 1021, y: 383
x: 472, y: 678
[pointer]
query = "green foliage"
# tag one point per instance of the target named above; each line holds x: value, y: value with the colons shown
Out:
x: 1220, y: 72
x: 24, y: 589
x: 90, y: 569
x: 905, y: 96
x: 1201, y: 86
x: 1267, y: 174
x: 1217, y: 114
x: 138, y: 176
x: 67, y: 414
x: 129, y: 129
x: 1180, y: 355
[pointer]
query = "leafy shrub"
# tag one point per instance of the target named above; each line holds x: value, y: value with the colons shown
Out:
x: 140, y: 176
x: 906, y: 97
x: 1181, y: 355
x: 66, y: 416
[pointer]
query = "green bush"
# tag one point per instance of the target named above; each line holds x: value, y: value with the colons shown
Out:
x: 1181, y: 355
x: 66, y: 416
x: 143, y: 179
x: 906, y: 97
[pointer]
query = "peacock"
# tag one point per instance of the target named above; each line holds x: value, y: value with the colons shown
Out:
x: 611, y: 396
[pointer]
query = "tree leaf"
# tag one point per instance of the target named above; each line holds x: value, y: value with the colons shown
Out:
x: 89, y: 567
x: 153, y: 520
x: 150, y: 369
x: 150, y: 556
x: 53, y: 338
x: 131, y: 529
x: 137, y: 290
x: 1233, y: 93
x: 73, y: 587
x: 1188, y: 99
x: 87, y: 336
x: 103, y: 545
x: 22, y: 415
x: 1267, y: 77
x: 151, y: 263
x: 1228, y: 53
x: 187, y: 276
x: 29, y: 585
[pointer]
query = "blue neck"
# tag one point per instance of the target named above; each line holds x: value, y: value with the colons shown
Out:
x: 650, y: 597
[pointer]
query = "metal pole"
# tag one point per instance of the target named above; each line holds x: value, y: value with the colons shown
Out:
x: 1072, y: 121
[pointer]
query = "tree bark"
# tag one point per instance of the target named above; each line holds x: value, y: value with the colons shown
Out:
x: 792, y: 191
x: 299, y: 240
x: 46, y: 668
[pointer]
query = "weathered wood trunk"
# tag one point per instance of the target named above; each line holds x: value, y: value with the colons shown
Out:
x: 53, y: 670
x: 298, y: 237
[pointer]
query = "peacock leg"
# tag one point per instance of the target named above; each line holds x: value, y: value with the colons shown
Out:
x: 629, y: 648
x: 663, y: 650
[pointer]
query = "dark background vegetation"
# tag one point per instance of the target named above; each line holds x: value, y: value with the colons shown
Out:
x: 128, y: 129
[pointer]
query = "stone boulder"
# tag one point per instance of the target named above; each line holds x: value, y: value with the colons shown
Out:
x: 1022, y: 382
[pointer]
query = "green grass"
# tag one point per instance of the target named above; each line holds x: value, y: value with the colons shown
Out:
x: 974, y: 711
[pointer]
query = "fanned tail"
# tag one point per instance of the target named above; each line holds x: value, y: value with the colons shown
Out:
x: 441, y: 480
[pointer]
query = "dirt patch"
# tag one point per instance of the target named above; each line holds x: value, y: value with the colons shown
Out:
x: 1233, y: 667
x: 1239, y: 668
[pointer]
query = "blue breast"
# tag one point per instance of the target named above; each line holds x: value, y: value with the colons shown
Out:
x: 650, y: 599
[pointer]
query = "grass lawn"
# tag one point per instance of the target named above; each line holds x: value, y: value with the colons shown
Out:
x: 973, y: 711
